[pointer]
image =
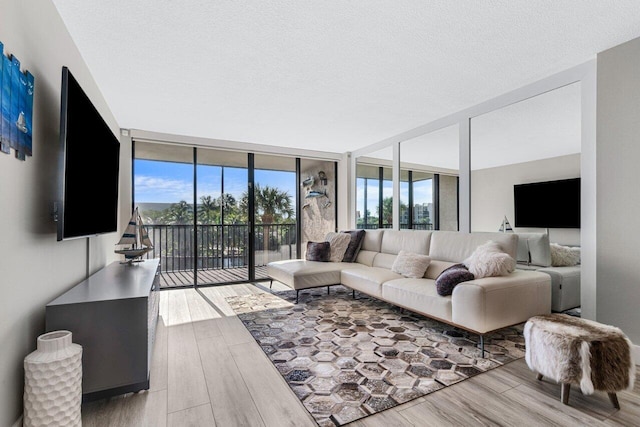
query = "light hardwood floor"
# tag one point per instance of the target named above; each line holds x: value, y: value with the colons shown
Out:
x: 207, y: 370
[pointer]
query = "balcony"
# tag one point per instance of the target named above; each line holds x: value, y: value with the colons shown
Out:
x: 222, y: 251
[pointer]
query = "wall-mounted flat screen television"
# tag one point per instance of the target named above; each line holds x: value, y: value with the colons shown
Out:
x: 88, y: 166
x: 549, y: 204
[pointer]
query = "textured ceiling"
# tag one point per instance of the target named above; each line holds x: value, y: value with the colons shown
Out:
x: 327, y: 75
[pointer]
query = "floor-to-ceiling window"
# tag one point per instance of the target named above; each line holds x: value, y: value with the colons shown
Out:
x: 216, y: 216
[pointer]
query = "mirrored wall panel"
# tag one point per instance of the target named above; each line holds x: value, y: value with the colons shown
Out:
x: 521, y: 157
x: 429, y: 171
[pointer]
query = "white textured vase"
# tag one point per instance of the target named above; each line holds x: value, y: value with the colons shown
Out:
x: 53, y: 382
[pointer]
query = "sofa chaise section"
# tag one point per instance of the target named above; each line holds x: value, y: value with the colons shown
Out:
x: 300, y: 274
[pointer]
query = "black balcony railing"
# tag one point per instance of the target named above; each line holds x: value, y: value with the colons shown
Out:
x: 219, y: 246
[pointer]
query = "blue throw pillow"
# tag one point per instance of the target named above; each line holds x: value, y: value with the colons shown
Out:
x: 449, y: 278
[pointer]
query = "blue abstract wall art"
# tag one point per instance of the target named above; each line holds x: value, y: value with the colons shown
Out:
x: 16, y: 107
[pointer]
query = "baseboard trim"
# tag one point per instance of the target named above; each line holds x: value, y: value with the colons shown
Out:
x: 18, y: 423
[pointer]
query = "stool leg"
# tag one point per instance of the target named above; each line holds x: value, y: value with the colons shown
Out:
x: 539, y: 377
x: 271, y: 284
x: 327, y: 290
x: 614, y: 400
x: 297, y: 294
x: 566, y: 388
x: 353, y: 294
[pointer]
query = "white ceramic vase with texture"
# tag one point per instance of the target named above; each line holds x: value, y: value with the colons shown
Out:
x: 53, y: 382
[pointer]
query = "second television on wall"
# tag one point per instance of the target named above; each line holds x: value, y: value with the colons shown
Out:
x: 549, y: 204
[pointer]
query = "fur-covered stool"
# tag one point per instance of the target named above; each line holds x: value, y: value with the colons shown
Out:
x: 571, y: 350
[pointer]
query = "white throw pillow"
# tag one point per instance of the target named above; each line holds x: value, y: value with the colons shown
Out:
x: 564, y: 256
x: 490, y: 260
x: 411, y: 264
x: 339, y: 243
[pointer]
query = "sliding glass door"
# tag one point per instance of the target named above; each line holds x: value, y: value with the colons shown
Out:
x: 275, y: 210
x: 222, y: 216
x: 163, y: 192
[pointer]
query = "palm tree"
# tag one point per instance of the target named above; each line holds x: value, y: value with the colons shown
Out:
x: 272, y: 205
x: 208, y: 210
x: 229, y: 206
x: 181, y: 213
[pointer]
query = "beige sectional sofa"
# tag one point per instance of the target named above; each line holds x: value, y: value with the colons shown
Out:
x: 479, y: 306
x: 534, y: 253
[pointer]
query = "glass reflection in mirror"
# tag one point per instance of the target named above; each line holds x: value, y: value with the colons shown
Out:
x: 429, y: 170
x: 374, y: 190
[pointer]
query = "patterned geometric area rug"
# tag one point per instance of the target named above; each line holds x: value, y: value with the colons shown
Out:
x: 346, y: 359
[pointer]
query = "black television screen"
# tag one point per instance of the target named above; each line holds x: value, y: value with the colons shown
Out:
x: 550, y: 204
x: 89, y: 166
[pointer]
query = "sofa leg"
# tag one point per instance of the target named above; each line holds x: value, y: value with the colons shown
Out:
x: 353, y: 294
x: 614, y: 400
x: 297, y: 294
x: 539, y: 377
x: 564, y: 393
x: 328, y: 292
x: 271, y: 284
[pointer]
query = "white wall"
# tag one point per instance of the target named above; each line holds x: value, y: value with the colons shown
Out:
x: 34, y: 267
x: 492, y: 193
x: 618, y: 198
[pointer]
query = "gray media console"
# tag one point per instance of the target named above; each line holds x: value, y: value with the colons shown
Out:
x: 112, y: 315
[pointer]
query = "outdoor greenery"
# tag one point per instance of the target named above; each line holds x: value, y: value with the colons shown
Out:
x: 272, y: 206
x: 387, y: 216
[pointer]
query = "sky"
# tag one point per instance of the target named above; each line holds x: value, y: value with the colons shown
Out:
x: 170, y: 182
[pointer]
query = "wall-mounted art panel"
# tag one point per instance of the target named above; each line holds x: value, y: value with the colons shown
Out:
x: 16, y: 107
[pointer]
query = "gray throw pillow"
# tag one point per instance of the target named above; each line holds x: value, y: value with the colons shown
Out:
x: 533, y: 248
x: 318, y: 251
x: 451, y: 277
x: 357, y: 237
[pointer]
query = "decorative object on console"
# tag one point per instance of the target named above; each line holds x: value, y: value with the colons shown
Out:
x: 357, y: 236
x: 411, y: 264
x: 490, y: 260
x: 135, y: 234
x: 564, y: 256
x: 16, y: 107
x: 452, y: 276
x: 318, y: 251
x: 53, y: 382
x: 339, y: 243
x: 505, y: 227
